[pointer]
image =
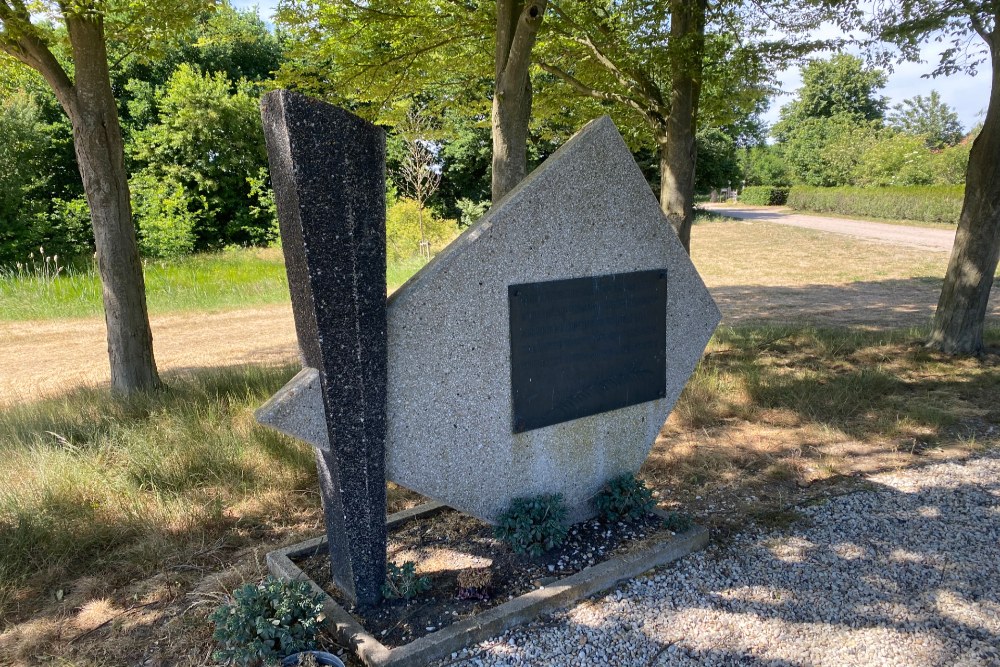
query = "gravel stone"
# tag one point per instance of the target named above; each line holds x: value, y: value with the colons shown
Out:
x: 907, y: 573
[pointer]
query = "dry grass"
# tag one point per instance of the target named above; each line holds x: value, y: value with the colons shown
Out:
x: 732, y: 252
x: 774, y: 416
x: 124, y: 523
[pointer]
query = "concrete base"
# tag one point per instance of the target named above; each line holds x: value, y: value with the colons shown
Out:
x: 590, y: 581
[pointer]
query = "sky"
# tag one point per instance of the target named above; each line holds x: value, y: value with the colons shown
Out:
x: 967, y: 95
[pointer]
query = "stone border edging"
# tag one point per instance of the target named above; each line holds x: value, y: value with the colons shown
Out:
x: 495, y: 621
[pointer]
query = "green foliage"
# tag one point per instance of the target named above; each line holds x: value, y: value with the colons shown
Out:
x: 167, y: 219
x: 718, y: 165
x: 893, y: 159
x: 192, y: 190
x: 764, y: 195
x: 839, y: 86
x: 40, y: 201
x: 825, y: 151
x: 471, y: 211
x: 624, y: 497
x: 533, y: 525
x: 402, y: 582
x: 267, y: 621
x: 678, y: 522
x: 921, y: 203
x: 402, y: 230
x: 764, y: 165
x: 928, y: 117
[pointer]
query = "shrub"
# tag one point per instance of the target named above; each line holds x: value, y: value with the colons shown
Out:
x: 533, y: 525
x: 764, y: 195
x: 402, y: 230
x: 163, y: 209
x: 267, y: 621
x: 624, y: 497
x: 932, y: 203
x: 471, y: 211
x: 678, y: 522
x: 403, y: 582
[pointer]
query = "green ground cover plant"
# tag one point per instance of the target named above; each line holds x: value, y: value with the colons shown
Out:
x: 402, y: 582
x: 533, y: 525
x: 624, y: 497
x: 923, y: 203
x: 237, y: 278
x: 265, y: 622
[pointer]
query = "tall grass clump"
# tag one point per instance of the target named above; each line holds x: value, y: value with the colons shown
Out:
x: 922, y: 203
x: 102, y: 485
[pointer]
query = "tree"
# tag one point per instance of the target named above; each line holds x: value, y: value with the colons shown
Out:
x: 961, y: 310
x: 929, y: 117
x: 839, y: 86
x: 196, y: 164
x: 655, y: 63
x: 418, y: 176
x: 431, y: 49
x: 718, y: 162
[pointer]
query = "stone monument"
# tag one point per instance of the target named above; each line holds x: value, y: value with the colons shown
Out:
x: 541, y: 352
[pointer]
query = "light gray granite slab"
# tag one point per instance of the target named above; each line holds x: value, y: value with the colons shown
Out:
x: 587, y: 211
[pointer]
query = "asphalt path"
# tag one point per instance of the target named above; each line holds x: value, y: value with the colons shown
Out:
x: 924, y: 238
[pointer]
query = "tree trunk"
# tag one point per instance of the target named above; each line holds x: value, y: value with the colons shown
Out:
x: 961, y: 310
x: 100, y: 156
x: 517, y: 28
x: 676, y: 145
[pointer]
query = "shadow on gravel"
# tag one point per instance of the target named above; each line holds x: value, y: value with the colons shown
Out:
x: 906, y: 574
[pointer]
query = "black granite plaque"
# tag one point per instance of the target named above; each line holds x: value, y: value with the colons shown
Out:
x: 328, y: 172
x: 583, y: 346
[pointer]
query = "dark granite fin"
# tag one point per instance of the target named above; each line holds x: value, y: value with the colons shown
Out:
x: 328, y: 173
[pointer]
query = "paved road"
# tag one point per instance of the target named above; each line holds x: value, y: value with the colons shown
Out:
x: 924, y: 238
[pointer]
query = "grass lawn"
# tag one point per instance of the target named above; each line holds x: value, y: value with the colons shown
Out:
x: 210, y: 281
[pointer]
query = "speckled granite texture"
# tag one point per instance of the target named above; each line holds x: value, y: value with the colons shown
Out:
x: 328, y: 171
x: 586, y: 211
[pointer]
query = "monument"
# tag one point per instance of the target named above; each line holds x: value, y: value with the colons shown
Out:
x: 541, y: 352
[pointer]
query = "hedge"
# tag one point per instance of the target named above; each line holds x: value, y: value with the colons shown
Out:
x: 924, y: 203
x: 764, y: 195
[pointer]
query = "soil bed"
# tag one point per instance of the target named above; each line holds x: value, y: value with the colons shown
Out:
x: 448, y: 543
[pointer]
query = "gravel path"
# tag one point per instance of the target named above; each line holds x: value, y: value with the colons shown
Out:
x: 924, y: 238
x: 905, y: 574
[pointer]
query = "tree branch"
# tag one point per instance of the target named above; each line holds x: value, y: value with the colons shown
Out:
x: 583, y: 89
x: 27, y: 46
x: 515, y: 71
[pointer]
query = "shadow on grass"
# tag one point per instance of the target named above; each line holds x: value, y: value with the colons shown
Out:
x: 97, y: 484
x: 873, y: 304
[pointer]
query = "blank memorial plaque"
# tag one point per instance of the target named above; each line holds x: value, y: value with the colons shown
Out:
x: 584, y: 346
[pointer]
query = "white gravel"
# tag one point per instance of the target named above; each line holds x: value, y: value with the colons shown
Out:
x: 906, y: 574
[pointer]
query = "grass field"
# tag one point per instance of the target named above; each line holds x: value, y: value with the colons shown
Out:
x: 124, y: 522
x: 211, y: 281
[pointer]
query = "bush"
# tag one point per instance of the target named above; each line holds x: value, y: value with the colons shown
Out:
x: 266, y: 622
x: 764, y: 195
x: 165, y: 219
x: 624, y: 497
x: 678, y: 522
x: 533, y: 525
x: 403, y: 582
x: 402, y: 230
x: 932, y: 203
